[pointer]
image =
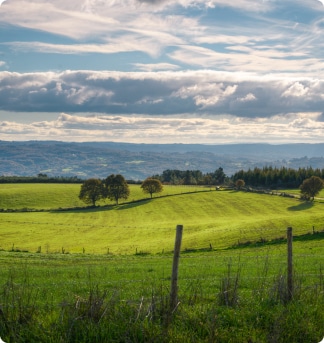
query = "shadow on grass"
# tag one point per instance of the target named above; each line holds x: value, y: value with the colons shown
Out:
x: 305, y: 205
x: 100, y: 208
x: 121, y: 206
x: 83, y: 209
x: 194, y: 250
x: 132, y: 204
x: 315, y: 236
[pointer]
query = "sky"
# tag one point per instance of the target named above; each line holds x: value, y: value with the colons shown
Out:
x: 160, y: 71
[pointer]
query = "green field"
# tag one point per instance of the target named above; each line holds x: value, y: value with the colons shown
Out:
x: 103, y: 274
x: 216, y: 218
x: 54, y: 196
x: 319, y: 197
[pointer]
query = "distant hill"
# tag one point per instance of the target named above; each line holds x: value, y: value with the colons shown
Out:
x: 138, y: 161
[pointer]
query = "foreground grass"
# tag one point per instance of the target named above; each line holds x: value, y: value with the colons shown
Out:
x: 233, y: 295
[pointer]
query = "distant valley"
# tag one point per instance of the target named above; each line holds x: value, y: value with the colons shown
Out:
x: 138, y: 161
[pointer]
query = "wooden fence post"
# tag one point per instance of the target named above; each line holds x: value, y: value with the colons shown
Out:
x: 290, y: 280
x: 174, y: 278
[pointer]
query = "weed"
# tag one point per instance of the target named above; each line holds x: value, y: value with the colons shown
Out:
x: 18, y: 306
x: 228, y: 292
x: 97, y: 314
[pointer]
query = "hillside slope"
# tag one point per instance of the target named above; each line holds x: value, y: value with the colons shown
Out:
x: 218, y: 218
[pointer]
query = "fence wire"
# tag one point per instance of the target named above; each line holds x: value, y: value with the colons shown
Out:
x: 133, y: 278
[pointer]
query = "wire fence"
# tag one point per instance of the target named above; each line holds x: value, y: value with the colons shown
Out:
x: 137, y: 288
x: 134, y: 278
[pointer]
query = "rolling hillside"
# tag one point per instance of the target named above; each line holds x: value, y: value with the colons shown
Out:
x: 217, y: 218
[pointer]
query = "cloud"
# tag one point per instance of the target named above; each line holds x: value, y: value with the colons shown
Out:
x: 182, y: 63
x: 71, y: 48
x: 153, y: 2
x: 206, y: 94
x: 248, y: 97
x: 83, y: 19
x: 201, y: 92
x: 177, y: 129
x: 155, y: 67
x: 250, y: 60
x: 187, y: 33
x: 321, y: 117
x: 296, y: 90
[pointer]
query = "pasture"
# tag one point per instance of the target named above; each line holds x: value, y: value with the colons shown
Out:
x: 53, y: 196
x: 217, y: 218
x: 112, y: 281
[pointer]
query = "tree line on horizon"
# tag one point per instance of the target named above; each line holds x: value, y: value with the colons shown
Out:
x: 192, y: 177
x: 40, y: 178
x: 273, y: 177
x: 265, y: 177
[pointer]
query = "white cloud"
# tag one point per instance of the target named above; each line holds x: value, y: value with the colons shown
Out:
x: 69, y: 49
x: 209, y: 98
x: 155, y: 28
x: 177, y: 129
x: 221, y: 38
x: 296, y: 90
x: 248, y: 5
x: 100, y: 19
x: 262, y: 62
x: 155, y: 67
x: 212, y: 68
x: 248, y: 97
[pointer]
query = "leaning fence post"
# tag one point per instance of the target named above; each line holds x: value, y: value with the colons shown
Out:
x: 174, y: 278
x: 290, y: 281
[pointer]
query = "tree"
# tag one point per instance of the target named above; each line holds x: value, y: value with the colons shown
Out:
x: 41, y: 175
x: 311, y: 187
x: 208, y: 180
x: 116, y: 187
x: 219, y: 176
x: 91, y: 191
x: 151, y: 186
x: 239, y: 183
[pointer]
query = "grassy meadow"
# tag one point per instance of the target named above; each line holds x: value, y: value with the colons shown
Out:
x: 53, y: 196
x: 217, y: 218
x: 103, y: 274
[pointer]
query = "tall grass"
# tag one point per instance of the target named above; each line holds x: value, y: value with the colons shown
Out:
x: 98, y: 312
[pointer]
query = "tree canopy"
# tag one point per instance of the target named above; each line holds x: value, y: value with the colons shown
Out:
x: 191, y: 177
x: 91, y: 191
x: 151, y: 186
x: 273, y: 177
x: 116, y: 187
x: 239, y: 183
x: 311, y: 187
